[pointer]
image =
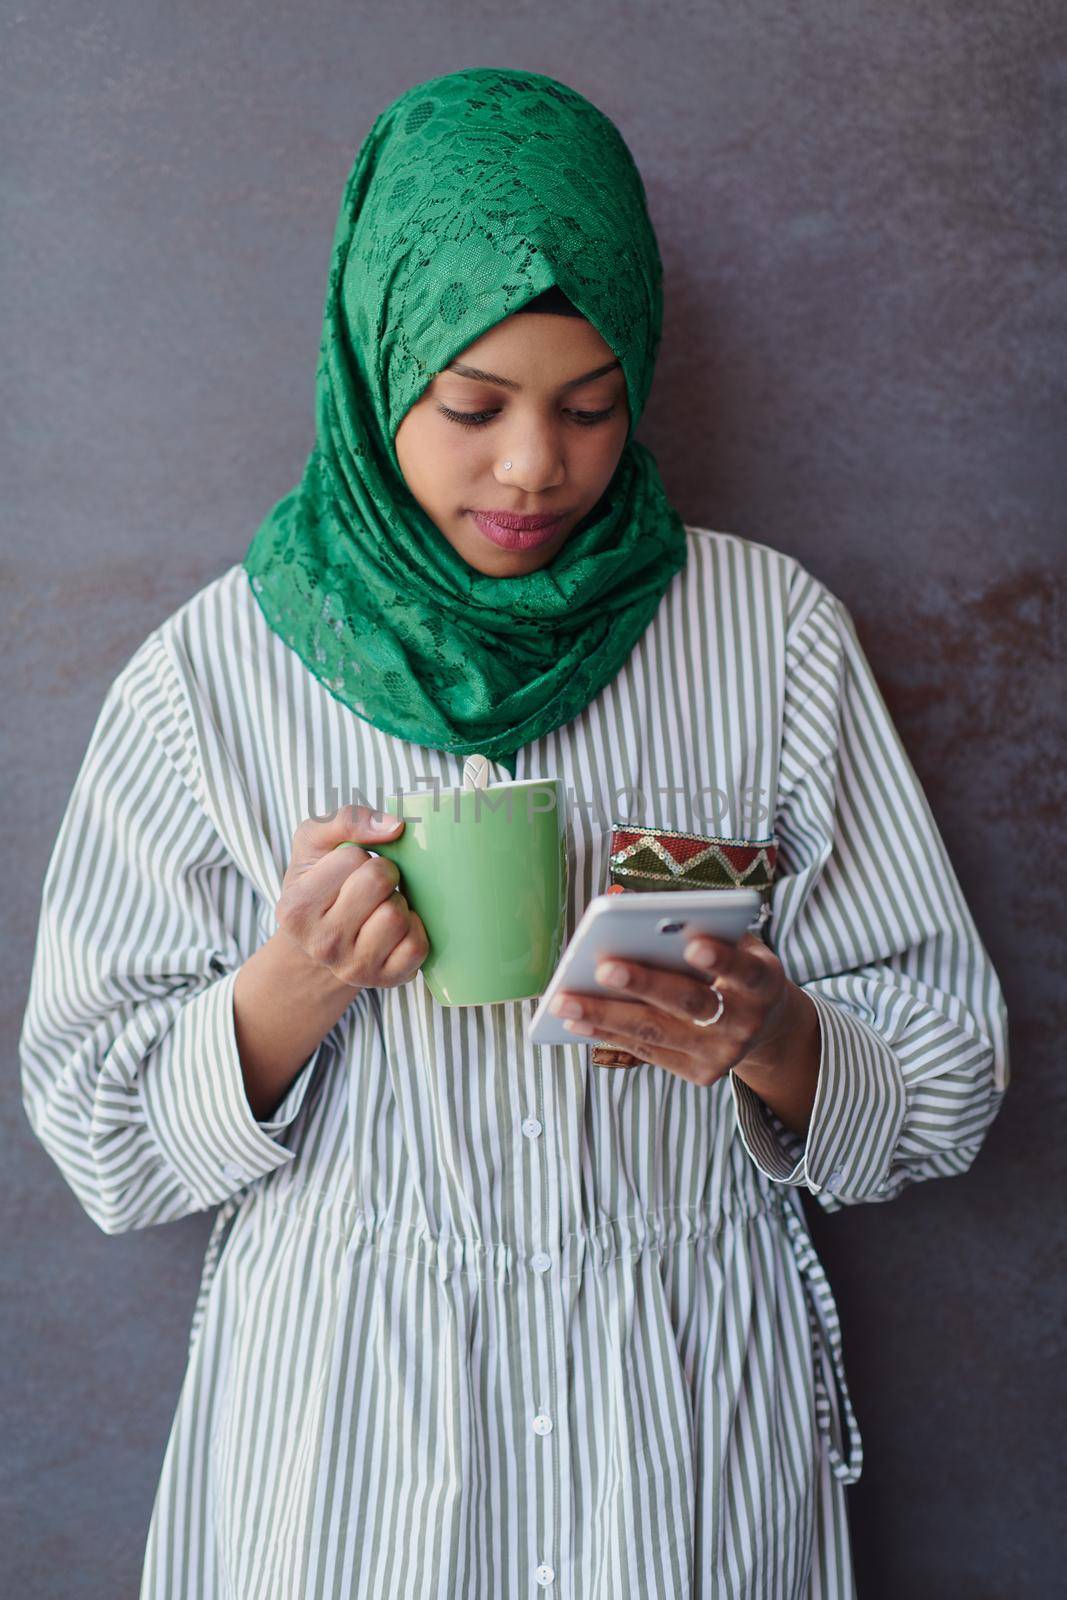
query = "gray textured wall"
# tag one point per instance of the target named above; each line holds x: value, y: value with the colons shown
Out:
x: 862, y: 217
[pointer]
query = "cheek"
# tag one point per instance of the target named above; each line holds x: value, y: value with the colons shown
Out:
x: 608, y: 446
x: 457, y: 460
x: 428, y: 459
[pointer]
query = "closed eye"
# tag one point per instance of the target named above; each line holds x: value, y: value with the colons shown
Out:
x: 478, y: 419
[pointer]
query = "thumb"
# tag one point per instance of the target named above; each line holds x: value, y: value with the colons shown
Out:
x: 349, y: 825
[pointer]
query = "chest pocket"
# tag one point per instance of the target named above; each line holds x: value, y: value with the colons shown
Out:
x: 643, y: 859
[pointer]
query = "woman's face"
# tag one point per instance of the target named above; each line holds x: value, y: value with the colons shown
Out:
x: 563, y: 439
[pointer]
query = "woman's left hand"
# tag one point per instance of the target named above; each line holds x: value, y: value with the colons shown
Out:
x: 654, y: 1022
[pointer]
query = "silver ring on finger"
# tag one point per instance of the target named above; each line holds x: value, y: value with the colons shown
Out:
x: 706, y: 1022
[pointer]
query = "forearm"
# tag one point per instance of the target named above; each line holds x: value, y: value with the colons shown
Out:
x: 785, y: 1074
x: 284, y: 1005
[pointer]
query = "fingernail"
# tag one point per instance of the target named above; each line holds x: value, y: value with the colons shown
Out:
x: 700, y: 954
x: 383, y: 820
x: 564, y: 1006
x: 611, y: 972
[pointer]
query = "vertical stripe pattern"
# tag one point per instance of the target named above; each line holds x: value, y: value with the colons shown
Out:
x: 479, y: 1319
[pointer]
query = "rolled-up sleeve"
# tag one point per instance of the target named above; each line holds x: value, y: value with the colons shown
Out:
x: 131, y: 1076
x: 869, y: 920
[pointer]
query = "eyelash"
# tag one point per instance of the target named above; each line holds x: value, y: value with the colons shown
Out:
x: 478, y: 419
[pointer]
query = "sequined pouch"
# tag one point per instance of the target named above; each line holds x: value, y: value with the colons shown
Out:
x: 645, y: 859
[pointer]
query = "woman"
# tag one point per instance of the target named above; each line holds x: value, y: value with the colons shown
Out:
x: 478, y: 1318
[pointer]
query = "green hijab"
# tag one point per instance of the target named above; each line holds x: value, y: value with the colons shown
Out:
x: 471, y: 194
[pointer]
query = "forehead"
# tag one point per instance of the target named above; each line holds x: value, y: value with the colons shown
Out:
x: 537, y: 348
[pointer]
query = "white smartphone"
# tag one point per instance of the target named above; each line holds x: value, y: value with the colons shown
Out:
x: 647, y: 926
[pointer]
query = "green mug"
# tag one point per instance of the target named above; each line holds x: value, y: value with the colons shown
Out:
x: 486, y: 870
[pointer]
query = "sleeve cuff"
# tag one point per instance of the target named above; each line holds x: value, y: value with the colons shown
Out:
x: 195, y: 1104
x: 855, y: 1121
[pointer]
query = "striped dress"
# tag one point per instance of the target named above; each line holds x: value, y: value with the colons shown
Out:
x: 478, y: 1319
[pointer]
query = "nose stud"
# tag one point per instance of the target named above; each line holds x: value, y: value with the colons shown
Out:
x: 507, y: 466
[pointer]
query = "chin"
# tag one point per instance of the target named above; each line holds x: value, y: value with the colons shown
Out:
x: 511, y: 563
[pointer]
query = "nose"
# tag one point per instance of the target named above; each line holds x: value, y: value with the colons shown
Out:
x: 537, y: 464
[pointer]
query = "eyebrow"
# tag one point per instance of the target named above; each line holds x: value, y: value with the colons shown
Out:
x: 508, y: 383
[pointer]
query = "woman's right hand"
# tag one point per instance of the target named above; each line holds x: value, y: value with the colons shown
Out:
x: 343, y: 907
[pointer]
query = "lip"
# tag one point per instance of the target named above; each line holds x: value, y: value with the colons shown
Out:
x: 512, y: 532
